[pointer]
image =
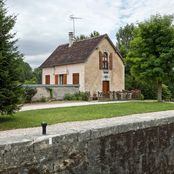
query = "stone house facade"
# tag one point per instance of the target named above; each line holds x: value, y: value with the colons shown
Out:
x: 95, y: 64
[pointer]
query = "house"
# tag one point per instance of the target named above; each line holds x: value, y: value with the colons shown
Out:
x: 95, y: 64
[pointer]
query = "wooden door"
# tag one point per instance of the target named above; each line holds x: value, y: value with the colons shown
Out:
x: 47, y: 79
x: 105, y: 87
x: 56, y: 79
x: 75, y: 78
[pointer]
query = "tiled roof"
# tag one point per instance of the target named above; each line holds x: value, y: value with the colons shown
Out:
x: 77, y: 53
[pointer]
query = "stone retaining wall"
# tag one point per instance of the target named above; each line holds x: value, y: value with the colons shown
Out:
x: 57, y: 92
x: 142, y: 144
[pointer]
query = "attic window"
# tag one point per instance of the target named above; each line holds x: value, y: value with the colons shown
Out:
x: 105, y: 61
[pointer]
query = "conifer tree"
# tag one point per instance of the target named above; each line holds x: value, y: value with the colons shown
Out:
x: 10, y: 90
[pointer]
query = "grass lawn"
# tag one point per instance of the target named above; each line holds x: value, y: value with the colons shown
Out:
x: 51, y: 116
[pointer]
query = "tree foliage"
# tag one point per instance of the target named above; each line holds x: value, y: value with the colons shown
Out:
x: 10, y: 91
x: 36, y: 77
x: 94, y: 34
x: 124, y: 36
x: 25, y: 71
x: 151, y: 51
x: 82, y: 36
x: 37, y: 73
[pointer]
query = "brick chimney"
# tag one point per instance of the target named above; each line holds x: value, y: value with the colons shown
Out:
x: 71, y: 38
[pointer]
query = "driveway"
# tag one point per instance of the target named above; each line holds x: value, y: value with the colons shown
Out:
x: 59, y: 104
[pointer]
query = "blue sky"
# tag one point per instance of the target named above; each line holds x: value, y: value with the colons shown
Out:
x: 42, y: 25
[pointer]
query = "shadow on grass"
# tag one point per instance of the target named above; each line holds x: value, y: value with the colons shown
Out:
x: 4, y: 119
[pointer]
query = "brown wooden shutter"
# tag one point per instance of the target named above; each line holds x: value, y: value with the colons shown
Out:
x: 110, y: 61
x: 64, y: 79
x: 100, y: 60
x: 56, y: 79
x: 75, y: 78
x: 47, y: 79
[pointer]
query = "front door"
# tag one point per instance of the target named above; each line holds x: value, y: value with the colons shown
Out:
x: 105, y: 87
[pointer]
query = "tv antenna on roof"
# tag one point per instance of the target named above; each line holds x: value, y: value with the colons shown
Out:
x: 73, y: 18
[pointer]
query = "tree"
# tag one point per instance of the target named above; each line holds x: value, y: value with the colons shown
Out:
x: 10, y: 90
x: 25, y: 71
x: 82, y: 36
x: 38, y: 74
x: 94, y: 34
x: 152, y: 51
x: 124, y: 37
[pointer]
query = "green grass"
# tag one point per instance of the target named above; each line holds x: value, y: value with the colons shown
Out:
x: 58, y: 115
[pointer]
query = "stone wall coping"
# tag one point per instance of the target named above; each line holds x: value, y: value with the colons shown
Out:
x: 42, y: 85
x: 86, y: 130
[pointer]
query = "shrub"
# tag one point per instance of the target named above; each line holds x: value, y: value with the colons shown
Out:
x: 43, y: 99
x: 142, y: 97
x: 29, y: 93
x: 166, y: 93
x: 85, y: 96
x: 77, y: 96
x: 68, y: 97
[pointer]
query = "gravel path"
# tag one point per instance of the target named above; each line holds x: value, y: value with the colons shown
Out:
x: 63, y: 104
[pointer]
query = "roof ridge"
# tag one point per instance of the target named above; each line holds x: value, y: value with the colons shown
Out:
x: 62, y: 44
x: 84, y: 39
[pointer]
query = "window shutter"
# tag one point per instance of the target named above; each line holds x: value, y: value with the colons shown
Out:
x: 75, y: 78
x: 64, y: 79
x: 47, y: 79
x: 100, y: 60
x: 56, y: 79
x: 110, y: 61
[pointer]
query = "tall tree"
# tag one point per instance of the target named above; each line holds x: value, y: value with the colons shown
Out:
x: 124, y: 37
x: 37, y: 73
x: 152, y: 51
x: 10, y: 91
x: 25, y: 71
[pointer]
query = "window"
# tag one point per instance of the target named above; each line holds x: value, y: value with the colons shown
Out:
x: 47, y: 79
x: 62, y: 79
x: 105, y: 61
x: 75, y: 78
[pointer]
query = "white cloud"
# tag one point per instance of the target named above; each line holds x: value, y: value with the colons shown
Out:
x: 42, y: 25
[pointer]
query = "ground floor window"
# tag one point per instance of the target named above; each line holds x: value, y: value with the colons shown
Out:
x: 62, y: 79
x: 47, y: 79
x: 75, y: 78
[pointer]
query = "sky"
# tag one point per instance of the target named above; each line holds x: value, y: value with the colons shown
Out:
x: 42, y: 25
